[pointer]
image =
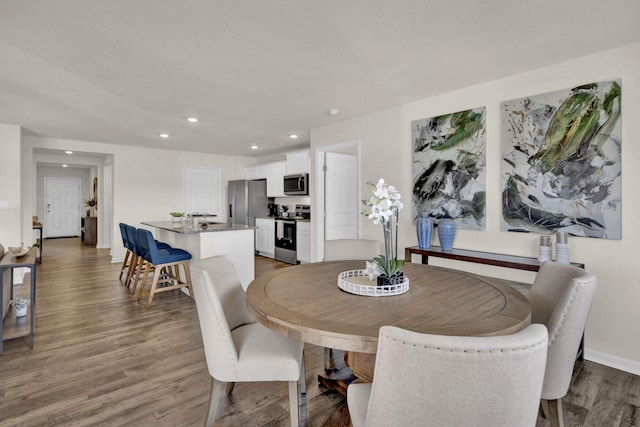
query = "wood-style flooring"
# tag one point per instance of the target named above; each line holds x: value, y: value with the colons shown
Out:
x: 101, y: 358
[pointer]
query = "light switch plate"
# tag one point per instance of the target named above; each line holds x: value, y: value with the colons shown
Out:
x: 4, y: 204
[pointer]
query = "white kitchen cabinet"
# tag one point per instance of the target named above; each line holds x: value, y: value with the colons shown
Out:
x: 303, y: 241
x: 275, y: 178
x: 257, y: 172
x: 265, y: 237
x: 298, y: 162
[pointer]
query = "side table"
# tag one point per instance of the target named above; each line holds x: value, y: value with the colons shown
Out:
x: 478, y: 257
x: 487, y: 258
x: 12, y: 326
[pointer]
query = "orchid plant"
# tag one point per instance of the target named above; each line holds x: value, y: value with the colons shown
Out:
x: 383, y: 208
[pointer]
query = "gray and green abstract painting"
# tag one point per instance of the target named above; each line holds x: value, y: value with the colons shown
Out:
x: 561, y: 157
x: 449, y: 165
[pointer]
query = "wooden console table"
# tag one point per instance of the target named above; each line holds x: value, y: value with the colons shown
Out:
x: 487, y: 258
x: 478, y: 257
x: 12, y: 326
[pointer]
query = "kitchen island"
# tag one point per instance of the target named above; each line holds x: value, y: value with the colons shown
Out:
x: 234, y: 241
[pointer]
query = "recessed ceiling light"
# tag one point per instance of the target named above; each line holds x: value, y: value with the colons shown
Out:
x: 293, y: 136
x: 334, y: 112
x: 192, y: 119
x: 254, y: 146
x: 164, y: 135
x: 69, y: 152
x: 65, y: 166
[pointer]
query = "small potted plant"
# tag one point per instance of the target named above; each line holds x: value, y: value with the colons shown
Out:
x: 176, y: 216
x: 92, y: 204
x: 20, y: 305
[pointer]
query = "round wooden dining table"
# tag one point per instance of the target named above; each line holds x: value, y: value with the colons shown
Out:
x: 305, y: 303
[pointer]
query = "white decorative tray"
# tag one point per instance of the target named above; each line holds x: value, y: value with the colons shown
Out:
x: 357, y: 282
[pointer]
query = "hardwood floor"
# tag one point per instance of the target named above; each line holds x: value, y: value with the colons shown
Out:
x: 101, y: 358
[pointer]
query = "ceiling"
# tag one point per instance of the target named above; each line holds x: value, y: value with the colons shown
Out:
x: 122, y: 71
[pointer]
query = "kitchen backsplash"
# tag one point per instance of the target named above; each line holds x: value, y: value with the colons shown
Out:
x: 292, y: 201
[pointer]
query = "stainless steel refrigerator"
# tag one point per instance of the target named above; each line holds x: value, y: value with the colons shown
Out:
x: 247, y: 200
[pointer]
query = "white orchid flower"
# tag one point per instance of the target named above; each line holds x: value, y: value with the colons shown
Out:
x: 384, y: 206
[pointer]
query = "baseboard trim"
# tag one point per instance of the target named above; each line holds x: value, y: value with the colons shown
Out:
x: 626, y: 365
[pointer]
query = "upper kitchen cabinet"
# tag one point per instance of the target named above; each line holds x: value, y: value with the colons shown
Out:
x: 257, y: 172
x: 298, y: 162
x: 275, y: 178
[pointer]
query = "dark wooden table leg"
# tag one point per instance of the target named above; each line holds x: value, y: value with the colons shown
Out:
x: 339, y: 376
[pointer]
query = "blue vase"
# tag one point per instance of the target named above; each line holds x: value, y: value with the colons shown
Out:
x: 424, y: 225
x: 446, y: 233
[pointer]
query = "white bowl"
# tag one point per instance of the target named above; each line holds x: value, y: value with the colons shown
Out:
x: 18, y: 251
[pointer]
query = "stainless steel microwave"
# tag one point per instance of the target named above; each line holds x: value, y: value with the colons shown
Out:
x: 296, y: 185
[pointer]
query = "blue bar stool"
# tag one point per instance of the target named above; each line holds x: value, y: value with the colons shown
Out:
x: 165, y: 264
x: 136, y: 271
x: 128, y: 256
x: 137, y: 264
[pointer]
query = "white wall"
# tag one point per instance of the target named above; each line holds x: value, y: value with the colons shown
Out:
x: 611, y: 336
x: 10, y: 174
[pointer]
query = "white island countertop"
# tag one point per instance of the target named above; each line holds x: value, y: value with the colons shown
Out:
x: 177, y: 227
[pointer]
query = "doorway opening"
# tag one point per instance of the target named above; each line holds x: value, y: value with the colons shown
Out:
x: 94, y: 171
x: 337, y: 201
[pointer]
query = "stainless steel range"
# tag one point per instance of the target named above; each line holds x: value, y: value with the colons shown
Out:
x: 285, y: 244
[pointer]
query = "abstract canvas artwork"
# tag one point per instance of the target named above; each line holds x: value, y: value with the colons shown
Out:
x: 561, y: 157
x: 449, y: 167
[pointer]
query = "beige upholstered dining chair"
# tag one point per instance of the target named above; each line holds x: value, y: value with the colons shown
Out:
x: 561, y: 297
x: 348, y: 249
x: 444, y: 381
x: 345, y: 249
x: 237, y: 348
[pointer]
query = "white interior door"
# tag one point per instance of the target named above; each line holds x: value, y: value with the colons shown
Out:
x: 342, y: 206
x: 62, y: 207
x: 202, y: 190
